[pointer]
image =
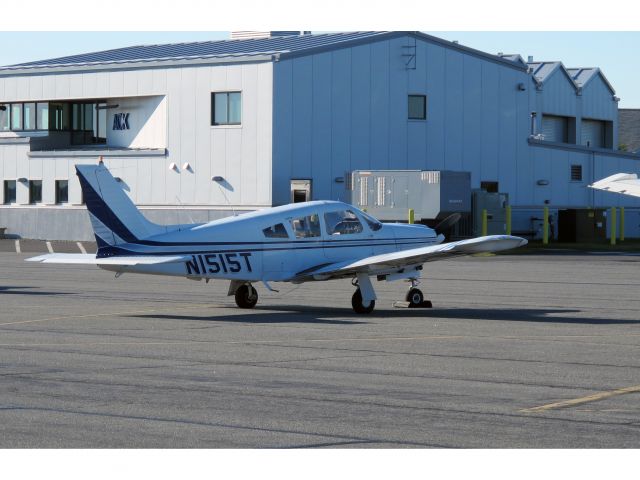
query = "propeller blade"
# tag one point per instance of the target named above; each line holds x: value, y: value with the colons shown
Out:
x: 447, y: 223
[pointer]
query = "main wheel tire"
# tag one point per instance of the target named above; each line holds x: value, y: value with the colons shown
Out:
x: 415, y: 298
x: 358, y: 307
x: 246, y: 296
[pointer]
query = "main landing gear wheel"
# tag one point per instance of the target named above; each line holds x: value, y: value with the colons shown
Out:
x: 415, y: 298
x: 246, y: 296
x: 358, y: 307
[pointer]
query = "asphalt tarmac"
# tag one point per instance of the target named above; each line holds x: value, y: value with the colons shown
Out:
x: 519, y: 351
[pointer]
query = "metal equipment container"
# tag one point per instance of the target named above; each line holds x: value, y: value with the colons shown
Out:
x: 432, y: 194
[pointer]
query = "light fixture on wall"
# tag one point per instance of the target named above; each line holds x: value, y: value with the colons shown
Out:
x: 173, y: 166
x: 522, y: 87
x: 23, y: 180
x: 542, y: 183
x: 339, y: 180
x: 187, y: 166
x: 118, y: 179
x: 217, y: 178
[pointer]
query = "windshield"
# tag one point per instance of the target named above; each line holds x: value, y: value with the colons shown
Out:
x: 374, y: 224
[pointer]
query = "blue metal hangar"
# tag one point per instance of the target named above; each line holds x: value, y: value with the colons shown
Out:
x: 199, y: 130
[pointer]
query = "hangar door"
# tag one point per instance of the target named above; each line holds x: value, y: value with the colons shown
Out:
x: 593, y: 133
x: 555, y: 128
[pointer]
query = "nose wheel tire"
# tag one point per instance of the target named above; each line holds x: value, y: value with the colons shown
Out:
x: 246, y: 296
x: 358, y: 307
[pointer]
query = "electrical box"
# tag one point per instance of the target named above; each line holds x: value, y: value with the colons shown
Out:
x: 496, y: 206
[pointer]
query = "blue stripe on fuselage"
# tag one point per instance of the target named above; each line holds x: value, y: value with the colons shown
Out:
x: 123, y: 250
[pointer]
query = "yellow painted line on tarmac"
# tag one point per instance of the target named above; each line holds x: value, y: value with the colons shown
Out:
x: 579, y: 401
x: 81, y: 247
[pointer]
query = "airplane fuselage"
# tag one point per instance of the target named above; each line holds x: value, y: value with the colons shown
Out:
x: 229, y: 248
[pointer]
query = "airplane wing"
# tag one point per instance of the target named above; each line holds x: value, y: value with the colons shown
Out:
x: 626, y: 183
x: 389, y: 262
x: 90, y: 259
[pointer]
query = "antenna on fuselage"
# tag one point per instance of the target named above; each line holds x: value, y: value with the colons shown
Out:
x: 182, y: 205
x: 219, y: 180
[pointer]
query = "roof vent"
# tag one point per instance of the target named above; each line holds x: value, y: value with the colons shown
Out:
x: 251, y: 34
x: 530, y: 59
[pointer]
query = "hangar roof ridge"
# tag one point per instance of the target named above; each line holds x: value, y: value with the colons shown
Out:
x: 543, y: 70
x: 583, y: 75
x: 294, y: 45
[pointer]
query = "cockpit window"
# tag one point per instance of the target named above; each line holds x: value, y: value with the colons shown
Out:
x: 342, y: 222
x: 275, y: 231
x: 374, y: 224
x: 306, y: 227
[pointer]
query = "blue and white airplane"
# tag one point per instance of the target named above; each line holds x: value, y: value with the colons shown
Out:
x: 302, y: 242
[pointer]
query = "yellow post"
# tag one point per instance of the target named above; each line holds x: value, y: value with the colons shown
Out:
x: 484, y: 222
x: 545, y: 226
x: 613, y: 225
x: 622, y: 224
x: 411, y: 215
x: 508, y: 232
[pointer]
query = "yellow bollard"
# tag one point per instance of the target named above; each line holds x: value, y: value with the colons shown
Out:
x: 508, y: 213
x: 484, y: 222
x: 622, y: 224
x: 411, y: 215
x: 545, y: 226
x: 613, y: 225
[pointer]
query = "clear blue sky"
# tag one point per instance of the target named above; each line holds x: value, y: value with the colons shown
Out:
x: 614, y: 52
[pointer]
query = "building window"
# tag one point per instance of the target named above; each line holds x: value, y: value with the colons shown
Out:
x: 29, y: 116
x: 35, y: 191
x: 489, y: 187
x: 16, y: 116
x: 417, y: 107
x: 4, y: 118
x: 9, y: 191
x: 42, y: 110
x: 226, y: 108
x: 62, y: 191
x: 576, y: 173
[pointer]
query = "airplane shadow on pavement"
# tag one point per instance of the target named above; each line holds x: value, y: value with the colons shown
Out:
x: 323, y: 315
x: 21, y: 290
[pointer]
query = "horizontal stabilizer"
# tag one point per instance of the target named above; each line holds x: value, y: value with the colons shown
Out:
x: 90, y: 259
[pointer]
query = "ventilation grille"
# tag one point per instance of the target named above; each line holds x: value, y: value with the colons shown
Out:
x: 364, y: 190
x: 430, y: 177
x: 576, y: 173
x: 380, y: 191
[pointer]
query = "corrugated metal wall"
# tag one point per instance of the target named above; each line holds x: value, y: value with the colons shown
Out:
x: 346, y: 110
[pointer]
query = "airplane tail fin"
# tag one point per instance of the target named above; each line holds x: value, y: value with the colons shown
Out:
x: 114, y: 217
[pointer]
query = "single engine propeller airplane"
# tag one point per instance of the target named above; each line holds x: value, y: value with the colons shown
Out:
x: 311, y: 241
